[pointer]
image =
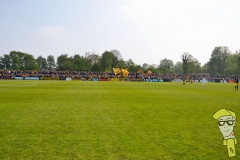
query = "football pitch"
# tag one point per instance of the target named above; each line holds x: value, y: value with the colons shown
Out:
x: 114, y: 120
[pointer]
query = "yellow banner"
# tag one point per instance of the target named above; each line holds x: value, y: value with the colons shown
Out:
x: 116, y: 71
x: 125, y: 72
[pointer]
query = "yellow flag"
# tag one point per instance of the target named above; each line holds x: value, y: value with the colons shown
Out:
x: 125, y: 72
x: 149, y: 72
x: 116, y: 71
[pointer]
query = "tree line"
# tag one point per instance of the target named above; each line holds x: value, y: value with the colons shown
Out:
x: 222, y: 61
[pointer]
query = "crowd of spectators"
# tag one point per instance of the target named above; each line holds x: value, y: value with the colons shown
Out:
x: 11, y: 74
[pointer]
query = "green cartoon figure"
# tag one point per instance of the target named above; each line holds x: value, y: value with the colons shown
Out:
x: 226, y: 122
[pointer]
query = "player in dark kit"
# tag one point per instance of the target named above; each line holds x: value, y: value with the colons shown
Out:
x: 236, y: 81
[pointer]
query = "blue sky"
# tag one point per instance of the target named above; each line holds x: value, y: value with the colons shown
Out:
x: 145, y: 31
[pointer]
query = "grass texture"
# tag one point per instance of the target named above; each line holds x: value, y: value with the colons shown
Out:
x: 113, y: 120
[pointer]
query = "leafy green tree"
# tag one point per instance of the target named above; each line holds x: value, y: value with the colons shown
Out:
x: 51, y: 65
x: 231, y: 64
x: 42, y: 63
x: 78, y: 62
x: 185, y: 60
x: 194, y: 66
x: 7, y: 61
x: 90, y: 59
x: 166, y: 66
x: 96, y: 67
x: 29, y: 62
x: 237, y: 62
x: 137, y: 67
x: 19, y: 61
x: 145, y: 66
x: 61, y: 60
x: 68, y: 65
x: 65, y: 63
x: 204, y: 68
x: 189, y: 63
x: 16, y: 60
x: 178, y: 68
x: 106, y: 61
x: 121, y: 64
x: 198, y: 68
x: 116, y: 58
x: 2, y: 63
x: 93, y: 57
x: 154, y: 68
x: 131, y: 65
x: 218, y: 61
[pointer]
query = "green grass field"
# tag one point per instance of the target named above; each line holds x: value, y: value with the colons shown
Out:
x: 113, y: 120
